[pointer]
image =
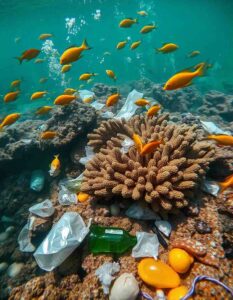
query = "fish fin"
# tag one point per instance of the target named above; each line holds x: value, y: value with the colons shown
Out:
x: 56, y: 156
x: 200, y: 69
x: 188, y: 84
x: 85, y: 45
x: 20, y: 59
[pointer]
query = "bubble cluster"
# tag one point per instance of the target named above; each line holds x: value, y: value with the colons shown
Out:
x: 97, y: 14
x: 71, y: 26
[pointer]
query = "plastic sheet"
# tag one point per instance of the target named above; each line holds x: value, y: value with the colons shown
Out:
x: 37, y: 180
x: 212, y: 128
x: 129, y: 107
x: 66, y: 197
x: 64, y: 237
x: 139, y: 212
x: 147, y: 245
x: 105, y: 272
x: 107, y: 115
x: 72, y: 184
x: 84, y: 94
x: 164, y: 226
x: 126, y: 144
x: 89, y: 155
x: 24, y: 238
x: 97, y: 105
x: 210, y: 187
x: 43, y: 209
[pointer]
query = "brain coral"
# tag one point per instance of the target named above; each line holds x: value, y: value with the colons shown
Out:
x: 165, y: 178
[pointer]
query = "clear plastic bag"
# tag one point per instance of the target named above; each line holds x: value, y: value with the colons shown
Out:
x: 37, y: 180
x: 66, y: 197
x: 24, y: 238
x: 147, y: 245
x: 89, y: 154
x: 64, y: 237
x: 126, y: 144
x: 43, y: 209
x: 210, y: 187
x: 72, y: 184
x: 84, y: 94
x: 141, y: 212
x: 97, y: 105
x: 105, y: 272
x: 212, y: 128
x: 164, y: 226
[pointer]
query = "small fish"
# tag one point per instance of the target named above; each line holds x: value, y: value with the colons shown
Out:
x: 138, y: 142
x: 147, y: 28
x: 17, y: 39
x: 48, y: 135
x: 142, y: 102
x: 66, y: 68
x: 88, y: 100
x: 43, y: 110
x: 126, y: 23
x: 69, y: 91
x: 39, y: 60
x: 10, y: 119
x: 38, y: 95
x: 113, y: 99
x: 167, y: 48
x: 64, y: 99
x: 45, y: 36
x: 153, y: 110
x: 73, y: 53
x: 28, y: 55
x: 16, y: 83
x: 121, y: 44
x: 111, y: 74
x: 142, y: 13
x: 134, y: 45
x: 224, y: 140
x: 83, y: 197
x: 12, y: 96
x: 150, y: 147
x: 183, y: 78
x: 43, y: 80
x: 193, y: 53
x: 55, y: 166
x: 90, y: 80
x: 227, y: 183
x: 87, y: 76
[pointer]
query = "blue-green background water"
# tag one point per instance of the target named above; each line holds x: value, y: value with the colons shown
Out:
x: 204, y: 25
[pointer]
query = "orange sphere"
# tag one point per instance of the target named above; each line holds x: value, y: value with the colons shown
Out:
x: 180, y: 260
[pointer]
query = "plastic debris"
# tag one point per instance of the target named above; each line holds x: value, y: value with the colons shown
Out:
x: 210, y: 187
x: 126, y: 144
x: 129, y: 107
x: 37, y: 180
x: 64, y: 237
x: 141, y: 212
x: 212, y: 128
x: 97, y: 105
x: 146, y: 296
x: 107, y: 115
x: 66, y: 197
x: 147, y: 245
x: 84, y: 94
x: 72, y: 184
x: 24, y: 238
x: 105, y: 272
x: 89, y: 155
x: 125, y: 287
x: 164, y: 226
x: 43, y: 209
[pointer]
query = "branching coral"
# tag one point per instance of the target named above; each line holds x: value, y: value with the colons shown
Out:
x: 165, y: 178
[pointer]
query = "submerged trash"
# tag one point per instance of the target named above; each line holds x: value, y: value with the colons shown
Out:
x: 126, y: 144
x: 66, y: 197
x: 164, y: 226
x: 89, y: 155
x: 64, y: 237
x: 72, y: 184
x: 147, y: 245
x: 210, y: 187
x: 85, y: 94
x: 24, y: 238
x: 37, y: 180
x: 105, y: 272
x: 212, y: 128
x: 180, y: 260
x: 43, y: 209
x: 125, y: 287
x: 177, y: 293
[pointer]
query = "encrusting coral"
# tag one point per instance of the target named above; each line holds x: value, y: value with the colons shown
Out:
x: 165, y: 178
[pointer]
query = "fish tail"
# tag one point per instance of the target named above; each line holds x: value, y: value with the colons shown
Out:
x: 56, y: 156
x: 94, y: 74
x: 20, y: 59
x: 136, y: 20
x: 201, y: 69
x: 85, y: 45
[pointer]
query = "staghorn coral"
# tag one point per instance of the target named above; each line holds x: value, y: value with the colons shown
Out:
x: 165, y: 178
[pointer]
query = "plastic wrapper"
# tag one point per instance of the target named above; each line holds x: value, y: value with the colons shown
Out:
x: 164, y: 226
x: 141, y: 212
x: 129, y: 107
x: 64, y: 237
x: 97, y: 105
x: 24, y: 238
x: 89, y: 155
x: 72, y: 184
x: 43, y: 209
x: 107, y: 115
x: 84, y: 94
x: 66, y: 197
x: 37, y: 180
x: 126, y: 144
x: 210, y: 187
x: 212, y: 128
x: 147, y: 245
x: 105, y: 272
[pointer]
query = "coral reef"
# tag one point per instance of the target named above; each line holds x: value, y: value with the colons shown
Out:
x: 101, y: 90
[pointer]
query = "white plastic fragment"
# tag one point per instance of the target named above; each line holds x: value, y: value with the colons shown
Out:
x: 72, y: 184
x: 107, y: 115
x: 125, y: 287
x: 212, y: 128
x: 44, y: 209
x: 24, y: 238
x: 105, y: 272
x: 210, y: 187
x: 141, y: 212
x: 97, y: 105
x: 147, y: 245
x: 126, y: 144
x: 85, y: 94
x: 64, y: 237
x: 66, y: 197
x: 129, y: 107
x: 164, y: 226
x: 37, y: 180
x: 89, y: 155
x: 160, y: 295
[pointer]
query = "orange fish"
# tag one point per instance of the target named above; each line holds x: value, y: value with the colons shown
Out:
x: 64, y: 99
x: 16, y: 83
x: 111, y: 74
x: 48, y: 135
x: 28, y: 55
x: 83, y: 197
x: 55, y: 166
x: 153, y: 110
x: 126, y: 23
x: 138, y: 142
x: 150, y: 147
x: 43, y: 110
x: 113, y: 99
x: 38, y: 95
x: 225, y: 140
x: 142, y: 102
x: 43, y: 80
x: 227, y: 183
x: 88, y: 100
x: 12, y: 96
x: 10, y: 119
x: 73, y: 53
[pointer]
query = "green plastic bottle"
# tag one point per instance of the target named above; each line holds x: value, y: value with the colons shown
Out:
x: 110, y: 240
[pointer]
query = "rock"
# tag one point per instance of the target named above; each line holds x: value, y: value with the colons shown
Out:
x: 4, y: 236
x: 3, y: 267
x: 202, y: 227
x: 125, y: 287
x: 14, y: 269
x: 114, y: 209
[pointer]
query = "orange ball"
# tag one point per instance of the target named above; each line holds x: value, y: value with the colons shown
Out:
x: 180, y: 260
x: 177, y: 293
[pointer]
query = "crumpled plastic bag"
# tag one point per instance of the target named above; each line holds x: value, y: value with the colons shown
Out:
x: 147, y: 245
x: 43, y: 209
x: 37, y: 180
x: 107, y: 115
x: 97, y: 105
x: 84, y: 94
x: 210, y: 187
x: 89, y: 155
x: 126, y: 144
x: 141, y: 212
x: 66, y: 197
x: 164, y: 226
x: 72, y: 184
x: 24, y: 238
x: 105, y: 272
x: 64, y: 237
x: 129, y: 107
x: 212, y: 128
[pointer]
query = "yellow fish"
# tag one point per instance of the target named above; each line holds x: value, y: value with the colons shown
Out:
x: 111, y: 74
x: 48, y: 135
x: 87, y: 76
x: 10, y: 119
x: 16, y: 83
x: 126, y: 23
x: 153, y: 110
x: 183, y: 78
x: 142, y: 13
x: 43, y: 80
x: 28, y: 55
x: 121, y: 44
x: 138, y: 142
x: 43, y: 110
x: 112, y: 99
x: 147, y: 28
x: 45, y: 36
x: 69, y: 91
x: 55, y: 166
x: 134, y: 45
x: 224, y: 140
x: 150, y: 147
x: 167, y: 48
x: 142, y: 102
x: 73, y: 53
x: 193, y: 53
x: 12, y: 96
x: 39, y: 60
x: 64, y: 99
x: 88, y: 100
x: 66, y: 68
x: 38, y: 95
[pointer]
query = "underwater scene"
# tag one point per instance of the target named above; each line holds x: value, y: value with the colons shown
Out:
x: 116, y: 161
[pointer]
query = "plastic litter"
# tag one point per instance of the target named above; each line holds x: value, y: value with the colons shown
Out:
x: 37, y: 180
x: 97, y: 105
x: 107, y: 115
x: 64, y: 237
x: 141, y: 212
x: 89, y: 154
x: 66, y: 197
x: 43, y: 209
x: 105, y: 272
x: 126, y: 144
x: 212, y: 128
x: 125, y: 287
x: 210, y: 187
x: 146, y: 296
x: 147, y: 245
x: 84, y: 94
x: 24, y: 238
x: 129, y: 108
x: 164, y: 226
x: 72, y: 184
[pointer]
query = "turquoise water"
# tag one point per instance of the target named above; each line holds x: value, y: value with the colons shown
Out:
x: 202, y: 25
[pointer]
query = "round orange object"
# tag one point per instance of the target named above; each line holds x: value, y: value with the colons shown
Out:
x: 180, y: 260
x: 177, y: 293
x: 83, y: 197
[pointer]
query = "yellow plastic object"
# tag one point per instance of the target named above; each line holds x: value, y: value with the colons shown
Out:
x: 177, y: 293
x: 157, y: 274
x: 180, y: 260
x: 83, y: 197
